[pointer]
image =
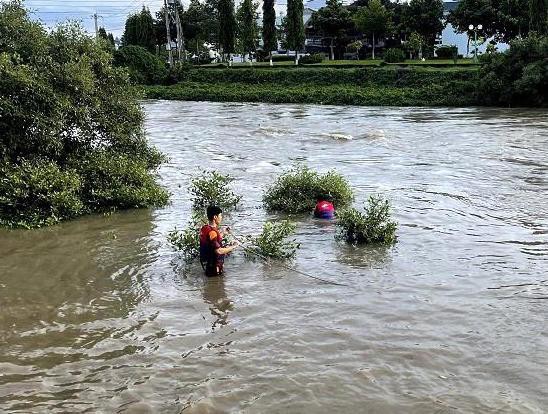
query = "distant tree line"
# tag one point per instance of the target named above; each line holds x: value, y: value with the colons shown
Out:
x: 411, y: 26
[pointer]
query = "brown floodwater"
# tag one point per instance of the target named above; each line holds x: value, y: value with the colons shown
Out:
x: 99, y: 315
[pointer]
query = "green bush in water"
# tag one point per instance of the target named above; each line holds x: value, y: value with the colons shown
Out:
x: 372, y: 226
x: 33, y: 194
x: 296, y: 190
x: 273, y: 241
x: 187, y: 241
x: 212, y: 188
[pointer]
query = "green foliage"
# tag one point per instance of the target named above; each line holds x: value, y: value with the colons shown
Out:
x: 297, y: 190
x: 212, y: 188
x: 270, y: 38
x: 519, y: 76
x: 227, y: 26
x: 505, y: 20
x: 118, y: 181
x: 374, y: 20
x: 37, y: 193
x: 425, y: 18
x: 248, y: 30
x: 273, y: 241
x: 374, y: 225
x: 394, y: 55
x: 139, y: 30
x: 60, y: 106
x: 294, y: 27
x: 390, y: 86
x: 187, y: 241
x: 333, y: 21
x: 538, y: 16
x: 311, y: 59
x: 144, y: 67
x: 447, y: 52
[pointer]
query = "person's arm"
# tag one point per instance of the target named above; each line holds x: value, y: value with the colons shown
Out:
x: 226, y: 250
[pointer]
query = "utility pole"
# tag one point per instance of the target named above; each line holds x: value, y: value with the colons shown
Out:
x: 168, y: 35
x: 95, y: 17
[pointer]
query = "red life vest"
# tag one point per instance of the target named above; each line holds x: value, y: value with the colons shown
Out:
x: 210, y: 241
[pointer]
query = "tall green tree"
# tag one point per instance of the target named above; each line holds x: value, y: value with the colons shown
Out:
x: 502, y: 19
x: 270, y: 38
x: 538, y: 16
x: 333, y: 21
x: 199, y: 25
x: 248, y: 30
x: 374, y: 20
x: 425, y: 18
x: 294, y: 26
x: 227, y: 27
x: 139, y: 30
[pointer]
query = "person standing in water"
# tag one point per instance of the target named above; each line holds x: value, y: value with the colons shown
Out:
x: 212, y: 253
x: 324, y: 207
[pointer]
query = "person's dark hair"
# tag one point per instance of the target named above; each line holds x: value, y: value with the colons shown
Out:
x: 213, y: 211
x: 324, y: 197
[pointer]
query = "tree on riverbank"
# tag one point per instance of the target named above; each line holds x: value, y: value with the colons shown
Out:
x: 227, y: 27
x: 248, y: 30
x: 294, y: 26
x: 374, y: 20
x: 139, y: 30
x: 72, y: 137
x: 270, y: 40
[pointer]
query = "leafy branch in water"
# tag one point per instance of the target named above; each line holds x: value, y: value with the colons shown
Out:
x: 187, y: 240
x: 273, y: 241
x: 372, y: 226
x: 296, y: 190
x: 212, y: 188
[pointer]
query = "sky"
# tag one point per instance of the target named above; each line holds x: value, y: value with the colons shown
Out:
x: 113, y: 12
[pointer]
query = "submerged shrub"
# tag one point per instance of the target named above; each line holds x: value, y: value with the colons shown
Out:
x: 296, y: 190
x: 212, y: 188
x: 187, y: 241
x: 372, y: 226
x: 273, y: 241
x: 38, y: 193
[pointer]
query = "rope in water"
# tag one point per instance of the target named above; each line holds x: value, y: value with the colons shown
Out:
x: 267, y: 260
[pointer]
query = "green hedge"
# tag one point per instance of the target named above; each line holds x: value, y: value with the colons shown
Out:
x: 391, y: 76
x: 456, y: 94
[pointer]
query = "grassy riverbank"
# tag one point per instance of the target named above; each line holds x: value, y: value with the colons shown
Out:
x: 387, y: 86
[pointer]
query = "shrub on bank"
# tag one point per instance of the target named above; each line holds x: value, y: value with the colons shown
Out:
x: 212, y: 188
x: 374, y: 225
x: 311, y: 59
x: 447, y: 52
x: 394, y: 55
x: 72, y: 139
x: 518, y: 76
x: 297, y: 190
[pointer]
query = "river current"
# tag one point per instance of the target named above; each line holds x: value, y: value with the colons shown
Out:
x: 100, y: 315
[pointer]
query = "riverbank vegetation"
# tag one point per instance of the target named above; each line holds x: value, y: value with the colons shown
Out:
x: 372, y: 226
x: 72, y: 139
x: 297, y: 190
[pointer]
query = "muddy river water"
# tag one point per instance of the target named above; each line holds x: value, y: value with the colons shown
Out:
x: 99, y: 315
